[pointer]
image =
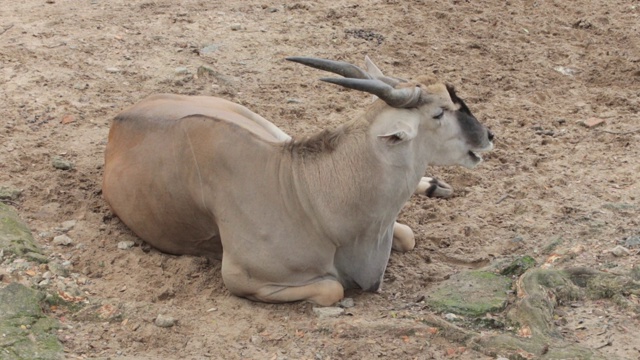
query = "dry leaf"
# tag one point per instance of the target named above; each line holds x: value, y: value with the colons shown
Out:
x: 67, y: 119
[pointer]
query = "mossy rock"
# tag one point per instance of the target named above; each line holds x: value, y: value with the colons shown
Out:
x: 519, y: 266
x: 15, y: 236
x: 27, y: 332
x: 471, y: 293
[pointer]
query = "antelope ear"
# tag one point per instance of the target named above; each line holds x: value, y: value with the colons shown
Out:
x: 372, y: 69
x: 398, y: 132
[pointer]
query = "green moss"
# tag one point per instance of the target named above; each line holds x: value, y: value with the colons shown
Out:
x: 472, y: 293
x: 519, y: 266
x: 27, y: 332
x: 15, y: 236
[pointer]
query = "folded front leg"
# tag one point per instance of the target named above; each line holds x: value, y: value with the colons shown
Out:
x: 433, y: 187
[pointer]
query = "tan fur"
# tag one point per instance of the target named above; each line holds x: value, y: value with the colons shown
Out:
x: 291, y: 220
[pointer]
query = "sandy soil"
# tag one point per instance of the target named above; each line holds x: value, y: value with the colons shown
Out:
x: 530, y: 70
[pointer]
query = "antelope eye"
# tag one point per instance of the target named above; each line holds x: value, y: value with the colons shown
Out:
x: 439, y: 115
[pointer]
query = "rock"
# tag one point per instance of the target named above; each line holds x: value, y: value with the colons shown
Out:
x: 26, y: 332
x: 181, y: 70
x: 112, y: 70
x: 256, y: 339
x: 328, y: 312
x: 519, y: 266
x: 9, y: 193
x: 592, y: 122
x: 34, y: 256
x: 236, y: 27
x: 450, y: 317
x: 124, y: 245
x: 165, y: 321
x: 209, y: 49
x: 57, y: 269
x: 61, y: 164
x: 346, y: 303
x: 620, y: 251
x: 632, y: 242
x: 15, y: 236
x: 62, y: 240
x: 67, y: 226
x: 470, y: 293
x: 565, y: 70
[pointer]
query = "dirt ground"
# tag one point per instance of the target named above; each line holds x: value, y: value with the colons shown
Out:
x: 530, y: 70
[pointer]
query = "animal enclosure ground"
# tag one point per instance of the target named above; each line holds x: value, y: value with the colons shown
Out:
x: 532, y: 71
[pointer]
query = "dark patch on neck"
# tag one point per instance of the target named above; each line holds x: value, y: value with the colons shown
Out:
x: 458, y: 101
x: 325, y: 141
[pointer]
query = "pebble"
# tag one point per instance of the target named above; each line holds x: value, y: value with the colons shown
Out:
x: 620, y: 251
x: 67, y: 226
x: 112, y: 70
x: 57, y: 269
x: 165, y: 321
x: 209, y: 48
x: 124, y: 245
x: 236, y: 27
x: 346, y: 303
x: 62, y: 164
x: 62, y: 240
x: 327, y: 312
x: 181, y: 70
x: 450, y: 317
x: 9, y: 193
x: 44, y: 283
x: 256, y: 339
x: 632, y: 242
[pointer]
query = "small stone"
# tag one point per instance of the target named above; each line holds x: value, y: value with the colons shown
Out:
x: 9, y: 193
x: 37, y: 257
x: 181, y: 70
x: 565, y: 70
x: 327, y: 312
x: 620, y: 251
x: 112, y: 70
x: 272, y: 9
x: 124, y: 245
x: 44, y: 283
x: 346, y: 303
x: 294, y: 101
x: 593, y: 122
x: 209, y: 49
x: 67, y: 226
x: 62, y: 240
x: 450, y: 317
x: 80, y: 86
x: 165, y: 321
x: 57, y: 269
x: 47, y: 275
x: 632, y: 242
x: 236, y: 27
x: 62, y: 164
x: 256, y: 339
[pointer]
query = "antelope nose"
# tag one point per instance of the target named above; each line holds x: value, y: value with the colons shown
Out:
x: 489, y: 135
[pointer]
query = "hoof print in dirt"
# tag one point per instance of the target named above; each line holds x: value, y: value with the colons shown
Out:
x: 26, y: 332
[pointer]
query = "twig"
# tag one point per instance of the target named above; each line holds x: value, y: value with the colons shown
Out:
x: 503, y: 198
x: 608, y: 343
x: 619, y: 132
x: 6, y: 29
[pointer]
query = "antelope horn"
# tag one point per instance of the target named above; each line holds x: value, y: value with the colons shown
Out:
x: 337, y: 67
x: 399, y: 98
